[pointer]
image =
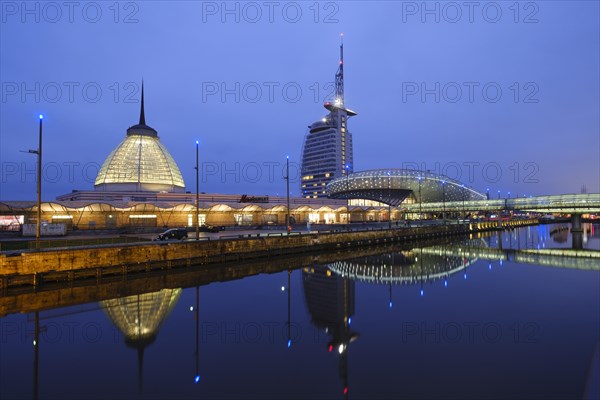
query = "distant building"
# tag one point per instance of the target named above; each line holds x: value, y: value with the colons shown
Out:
x: 327, y: 151
x: 140, y: 163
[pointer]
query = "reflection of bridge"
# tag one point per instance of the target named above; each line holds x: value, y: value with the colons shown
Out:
x: 569, y: 204
x: 561, y: 258
x: 439, y: 262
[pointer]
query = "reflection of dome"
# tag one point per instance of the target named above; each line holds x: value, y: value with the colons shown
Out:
x: 140, y: 163
x: 409, y: 267
x: 139, y: 317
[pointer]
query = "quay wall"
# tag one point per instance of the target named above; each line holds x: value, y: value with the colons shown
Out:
x: 242, y: 247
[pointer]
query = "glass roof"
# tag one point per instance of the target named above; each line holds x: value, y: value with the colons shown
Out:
x: 140, y: 159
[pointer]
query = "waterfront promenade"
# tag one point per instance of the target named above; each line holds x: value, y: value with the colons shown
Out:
x: 92, y: 262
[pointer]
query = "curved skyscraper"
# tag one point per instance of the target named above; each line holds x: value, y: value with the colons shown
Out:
x: 327, y: 150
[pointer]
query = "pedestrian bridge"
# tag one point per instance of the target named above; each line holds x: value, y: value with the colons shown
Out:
x: 565, y: 203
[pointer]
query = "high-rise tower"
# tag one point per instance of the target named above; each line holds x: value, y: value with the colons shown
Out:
x: 327, y: 150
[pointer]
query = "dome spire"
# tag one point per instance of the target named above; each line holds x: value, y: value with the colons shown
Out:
x: 142, y: 116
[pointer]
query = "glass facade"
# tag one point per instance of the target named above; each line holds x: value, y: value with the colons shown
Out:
x: 140, y: 162
x: 327, y: 153
x: 392, y: 186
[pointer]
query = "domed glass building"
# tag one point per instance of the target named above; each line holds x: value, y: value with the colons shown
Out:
x: 140, y: 163
x: 392, y: 186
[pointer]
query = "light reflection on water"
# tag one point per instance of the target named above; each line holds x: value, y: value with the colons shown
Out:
x: 461, y: 319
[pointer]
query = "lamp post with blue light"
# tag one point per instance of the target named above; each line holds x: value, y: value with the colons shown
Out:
x: 287, y: 179
x: 420, y: 203
x: 197, y: 195
x: 444, y: 200
x: 38, y: 222
x: 463, y: 201
x: 347, y: 194
x: 389, y: 174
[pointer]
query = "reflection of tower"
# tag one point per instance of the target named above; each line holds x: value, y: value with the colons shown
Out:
x: 327, y: 151
x: 139, y: 317
x: 330, y: 302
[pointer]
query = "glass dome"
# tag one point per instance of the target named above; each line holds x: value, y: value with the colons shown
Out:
x: 140, y: 163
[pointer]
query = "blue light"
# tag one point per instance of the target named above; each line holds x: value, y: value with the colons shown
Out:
x: 465, y: 276
x: 422, y: 292
x: 490, y: 266
x: 349, y: 320
x: 500, y: 261
x: 197, y: 142
x: 197, y: 379
x: 390, y: 304
x: 41, y: 116
x: 289, y: 343
x: 445, y: 283
x: 287, y: 157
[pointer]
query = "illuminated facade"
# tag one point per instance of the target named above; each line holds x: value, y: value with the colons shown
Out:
x: 327, y: 151
x: 393, y: 186
x: 140, y: 163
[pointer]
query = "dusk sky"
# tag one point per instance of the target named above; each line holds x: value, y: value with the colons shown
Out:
x: 511, y: 103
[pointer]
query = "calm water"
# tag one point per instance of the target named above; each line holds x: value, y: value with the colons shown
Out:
x: 446, y: 321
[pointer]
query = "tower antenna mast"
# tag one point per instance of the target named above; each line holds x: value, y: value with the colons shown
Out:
x: 339, y: 76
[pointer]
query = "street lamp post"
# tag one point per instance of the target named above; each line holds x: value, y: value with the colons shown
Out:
x: 287, y: 179
x: 420, y: 203
x: 463, y: 201
x: 197, y: 196
x: 444, y: 200
x: 347, y: 194
x: 38, y: 224
x: 389, y: 201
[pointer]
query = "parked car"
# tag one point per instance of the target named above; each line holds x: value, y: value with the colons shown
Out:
x: 210, y: 228
x: 176, y: 233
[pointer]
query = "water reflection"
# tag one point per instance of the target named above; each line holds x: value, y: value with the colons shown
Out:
x: 139, y: 318
x: 329, y: 286
x: 411, y: 266
x: 330, y: 303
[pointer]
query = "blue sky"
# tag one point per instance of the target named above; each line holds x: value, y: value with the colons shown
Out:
x: 500, y: 96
